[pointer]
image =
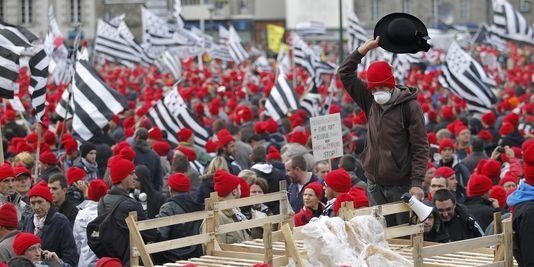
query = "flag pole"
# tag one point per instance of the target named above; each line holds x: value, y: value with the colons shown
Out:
x: 2, y: 140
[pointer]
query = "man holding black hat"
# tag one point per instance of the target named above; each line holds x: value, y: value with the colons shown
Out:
x: 396, y: 155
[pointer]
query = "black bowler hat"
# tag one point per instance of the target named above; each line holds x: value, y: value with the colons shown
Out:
x: 402, y: 33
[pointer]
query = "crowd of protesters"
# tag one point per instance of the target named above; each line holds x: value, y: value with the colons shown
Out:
x: 477, y: 164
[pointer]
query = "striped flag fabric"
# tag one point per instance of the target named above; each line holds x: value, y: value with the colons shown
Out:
x: 114, y: 47
x: 332, y: 89
x: 171, y: 114
x: 311, y: 103
x: 310, y: 28
x: 126, y: 34
x: 305, y: 57
x: 485, y: 36
x: 158, y: 34
x: 39, y: 78
x: 220, y: 52
x: 65, y: 107
x: 282, y: 98
x: 94, y: 102
x: 236, y: 49
x: 402, y: 63
x: 356, y: 32
x: 466, y: 78
x: 508, y: 23
x: 12, y: 45
x: 169, y: 63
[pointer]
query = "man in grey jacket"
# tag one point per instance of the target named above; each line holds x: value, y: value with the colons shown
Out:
x: 8, y: 230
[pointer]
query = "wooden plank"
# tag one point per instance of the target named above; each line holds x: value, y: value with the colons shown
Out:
x: 178, y: 243
x: 417, y: 246
x: 507, y: 244
x: 248, y: 201
x: 138, y: 241
x: 134, y: 253
x: 172, y: 220
x: 290, y: 246
x: 237, y: 226
x: 280, y: 261
x: 495, y: 264
x: 405, y: 230
x: 387, y: 209
x: 463, y: 245
x: 277, y: 236
x: 268, y: 243
x: 212, y: 221
x: 242, y: 256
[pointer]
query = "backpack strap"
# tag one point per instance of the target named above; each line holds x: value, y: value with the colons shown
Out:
x: 406, y: 115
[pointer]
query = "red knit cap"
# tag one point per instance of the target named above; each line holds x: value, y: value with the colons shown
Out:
x: 127, y: 153
x: 224, y: 182
x: 49, y: 138
x: 478, y: 185
x: 161, y: 148
x: 155, y: 133
x: 338, y: 180
x: 271, y: 126
x: 70, y: 145
x: 6, y: 171
x: 19, y: 170
x: 444, y: 172
x: 184, y: 134
x: 224, y: 140
x: 118, y: 147
x: 528, y: 151
x: 317, y: 189
x: 120, y: 169
x: 75, y: 174
x: 513, y: 119
x: 356, y: 194
x: 529, y: 173
x: 506, y: 128
x: 379, y: 73
x: 41, y: 190
x: 48, y: 158
x: 189, y: 153
x: 492, y: 169
x: 508, y: 177
x: 245, y: 188
x: 211, y: 147
x: 489, y: 118
x: 299, y: 137
x: 23, y: 241
x: 485, y: 135
x: 97, y: 189
x: 497, y: 192
x: 459, y: 128
x: 9, y: 216
x: 432, y: 138
x: 273, y: 153
x: 179, y: 182
x: 446, y: 143
x: 446, y: 113
x: 108, y: 262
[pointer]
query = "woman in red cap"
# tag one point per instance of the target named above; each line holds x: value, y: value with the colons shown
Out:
x: 313, y: 193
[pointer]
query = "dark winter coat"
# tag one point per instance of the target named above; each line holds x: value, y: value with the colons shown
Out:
x: 481, y: 209
x: 393, y: 155
x: 472, y: 160
x: 462, y: 226
x: 146, y: 156
x: 155, y: 199
x: 69, y: 209
x: 523, y: 223
x: 49, y: 173
x: 205, y: 188
x: 56, y: 235
x: 273, y: 176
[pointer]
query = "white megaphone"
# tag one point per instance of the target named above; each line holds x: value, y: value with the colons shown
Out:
x: 421, y: 210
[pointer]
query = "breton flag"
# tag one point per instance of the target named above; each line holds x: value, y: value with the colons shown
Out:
x: 282, y: 99
x: 356, y: 32
x: 237, y: 51
x: 402, y: 63
x: 508, y: 23
x: 466, y: 78
x: 65, y: 107
x: 311, y: 103
x: 168, y: 63
x: 171, y: 114
x: 94, y: 102
x: 114, y: 47
x: 305, y: 57
x: 220, y: 52
x: 126, y: 34
x: 310, y: 28
x: 17, y: 43
x: 485, y: 36
x: 158, y: 35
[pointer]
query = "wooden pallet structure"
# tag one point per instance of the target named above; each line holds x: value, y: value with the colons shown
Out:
x: 492, y: 250
x: 275, y: 248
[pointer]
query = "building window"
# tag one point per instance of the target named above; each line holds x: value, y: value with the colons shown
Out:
x: 190, y: 2
x: 26, y: 11
x: 375, y: 10
x: 407, y: 6
x: 465, y: 10
x: 75, y: 11
x: 524, y: 6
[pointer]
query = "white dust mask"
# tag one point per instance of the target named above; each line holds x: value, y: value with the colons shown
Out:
x: 382, y: 97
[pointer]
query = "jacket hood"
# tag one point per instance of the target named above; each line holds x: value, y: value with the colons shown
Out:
x: 143, y: 146
x: 406, y: 94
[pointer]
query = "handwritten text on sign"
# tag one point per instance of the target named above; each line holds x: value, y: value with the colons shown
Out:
x: 327, y: 140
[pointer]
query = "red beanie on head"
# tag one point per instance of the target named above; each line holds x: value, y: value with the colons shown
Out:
x: 128, y: 153
x: 485, y: 135
x: 70, y: 145
x: 179, y: 182
x: 6, y: 171
x: 48, y: 158
x: 338, y: 180
x: 9, y: 216
x: 492, y: 169
x: 446, y: 113
x: 513, y: 119
x: 489, y: 118
x: 23, y: 241
x: 273, y: 153
x: 478, y: 185
x: 509, y: 177
x: 379, y: 73
x: 97, y: 189
x: 356, y: 195
x: 446, y: 143
x: 161, y: 148
x: 506, y: 128
x: 245, y: 188
x: 529, y: 173
x: 120, y: 169
x: 184, y: 134
x: 528, y: 151
x: 108, y: 262
x: 498, y: 193
x: 189, y: 153
x: 444, y: 172
x: 155, y: 133
x: 224, y: 182
x: 317, y: 188
x: 75, y: 174
x: 41, y: 190
x: 299, y: 137
x: 211, y: 146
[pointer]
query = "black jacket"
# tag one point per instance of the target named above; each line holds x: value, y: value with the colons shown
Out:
x: 179, y: 204
x: 472, y: 160
x: 12, y: 129
x: 273, y: 176
x: 56, y: 235
x: 462, y: 226
x: 106, y: 203
x: 205, y: 188
x: 154, y: 198
x: 523, y: 223
x: 144, y: 155
x: 69, y: 209
x: 49, y: 173
x: 481, y: 209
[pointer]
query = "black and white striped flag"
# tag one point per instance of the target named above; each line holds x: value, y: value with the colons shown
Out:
x: 466, y: 78
x: 114, y: 47
x: 311, y: 103
x: 402, y: 63
x: 310, y: 28
x: 158, y: 34
x: 171, y: 114
x: 356, y: 32
x: 485, y: 36
x: 305, y: 57
x: 236, y: 49
x: 282, y: 98
x: 95, y: 103
x: 220, y: 52
x: 169, y: 63
x: 39, y: 77
x: 65, y: 107
x: 508, y: 23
